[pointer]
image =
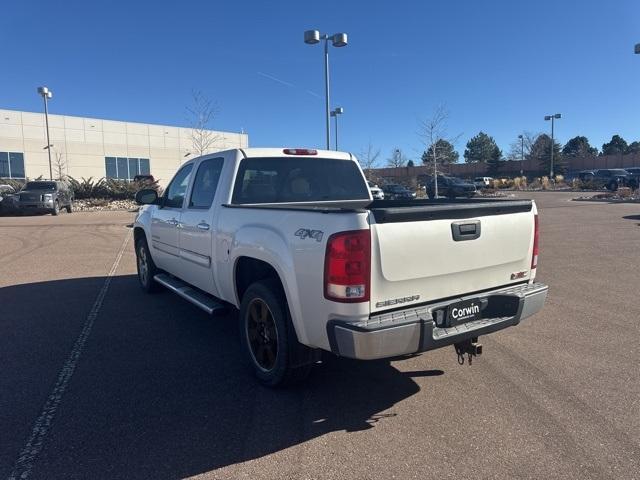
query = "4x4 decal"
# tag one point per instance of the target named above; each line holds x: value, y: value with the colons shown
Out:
x: 306, y: 233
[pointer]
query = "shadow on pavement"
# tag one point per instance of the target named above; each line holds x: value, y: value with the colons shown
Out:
x: 631, y: 217
x: 160, y: 392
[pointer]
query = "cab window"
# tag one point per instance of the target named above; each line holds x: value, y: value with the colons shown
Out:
x: 174, y: 198
x: 206, y: 183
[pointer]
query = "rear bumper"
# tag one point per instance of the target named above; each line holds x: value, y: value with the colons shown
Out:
x: 414, y: 330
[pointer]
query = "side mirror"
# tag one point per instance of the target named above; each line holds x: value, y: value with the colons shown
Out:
x: 146, y: 196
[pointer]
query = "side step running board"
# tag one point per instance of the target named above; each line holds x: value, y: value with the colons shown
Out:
x: 186, y: 291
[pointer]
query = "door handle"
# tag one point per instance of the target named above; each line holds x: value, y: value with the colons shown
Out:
x: 173, y: 222
x: 203, y: 226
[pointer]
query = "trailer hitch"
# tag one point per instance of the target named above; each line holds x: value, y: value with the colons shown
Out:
x: 469, y: 347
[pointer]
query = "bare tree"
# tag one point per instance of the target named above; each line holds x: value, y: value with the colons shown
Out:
x: 516, y: 147
x: 368, y: 158
x: 397, y: 159
x: 60, y: 165
x: 432, y: 132
x: 201, y: 114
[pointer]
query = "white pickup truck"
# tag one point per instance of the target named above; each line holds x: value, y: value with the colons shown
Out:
x: 293, y: 239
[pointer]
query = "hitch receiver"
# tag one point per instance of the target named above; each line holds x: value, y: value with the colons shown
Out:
x: 469, y: 347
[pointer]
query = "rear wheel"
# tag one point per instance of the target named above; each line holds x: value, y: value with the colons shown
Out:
x: 70, y: 207
x: 146, y: 268
x: 268, y: 338
x: 56, y: 208
x: 613, y: 186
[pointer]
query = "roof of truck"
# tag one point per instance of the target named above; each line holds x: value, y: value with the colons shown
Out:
x: 280, y: 152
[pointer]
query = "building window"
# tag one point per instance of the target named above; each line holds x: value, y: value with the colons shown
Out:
x: 11, y: 165
x: 124, y: 168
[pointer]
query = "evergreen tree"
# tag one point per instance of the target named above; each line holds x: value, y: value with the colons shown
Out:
x: 578, y: 147
x: 541, y: 151
x: 444, y: 152
x: 616, y: 146
x: 481, y: 148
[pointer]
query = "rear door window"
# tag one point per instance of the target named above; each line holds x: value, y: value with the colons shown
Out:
x: 206, y: 183
x: 285, y: 180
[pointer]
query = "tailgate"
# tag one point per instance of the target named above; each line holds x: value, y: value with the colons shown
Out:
x: 425, y: 253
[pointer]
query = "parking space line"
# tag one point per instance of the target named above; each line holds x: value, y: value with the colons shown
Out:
x: 32, y: 448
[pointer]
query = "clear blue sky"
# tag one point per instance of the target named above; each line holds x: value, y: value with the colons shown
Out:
x: 499, y: 66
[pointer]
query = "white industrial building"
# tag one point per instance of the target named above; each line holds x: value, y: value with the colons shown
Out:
x: 91, y: 147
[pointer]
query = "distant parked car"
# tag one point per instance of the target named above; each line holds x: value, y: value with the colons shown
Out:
x: 376, y: 192
x: 611, y: 179
x: 483, y: 182
x: 45, y: 196
x: 586, y: 175
x: 450, y: 187
x: 144, y: 179
x: 7, y: 198
x: 393, y: 191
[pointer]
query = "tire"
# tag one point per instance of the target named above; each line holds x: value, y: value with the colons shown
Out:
x: 613, y: 186
x: 146, y: 268
x: 56, y: 209
x: 70, y: 208
x: 268, y: 338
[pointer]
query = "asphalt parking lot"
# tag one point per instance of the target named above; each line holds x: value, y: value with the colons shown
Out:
x: 102, y: 382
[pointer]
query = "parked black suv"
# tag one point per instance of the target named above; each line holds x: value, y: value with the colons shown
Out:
x: 609, y: 178
x: 45, y: 196
x: 634, y: 181
x: 450, y: 187
x: 396, y: 192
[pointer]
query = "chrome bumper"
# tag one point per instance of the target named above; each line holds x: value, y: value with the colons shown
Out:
x: 42, y: 205
x: 414, y: 330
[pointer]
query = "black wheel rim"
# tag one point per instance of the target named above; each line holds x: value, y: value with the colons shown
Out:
x: 143, y: 265
x: 262, y: 334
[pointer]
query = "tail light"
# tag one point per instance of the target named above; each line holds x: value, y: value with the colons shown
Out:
x: 536, y: 242
x: 347, y: 267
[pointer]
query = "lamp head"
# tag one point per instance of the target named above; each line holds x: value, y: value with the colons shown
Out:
x: 339, y: 39
x: 311, y: 37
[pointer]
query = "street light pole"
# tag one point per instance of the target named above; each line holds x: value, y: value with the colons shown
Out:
x: 334, y: 113
x: 46, y: 94
x: 552, y: 118
x: 521, y: 137
x: 312, y: 37
x: 326, y: 91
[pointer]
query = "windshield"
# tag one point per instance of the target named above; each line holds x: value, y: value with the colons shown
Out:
x: 618, y: 171
x: 285, y: 180
x: 40, y: 186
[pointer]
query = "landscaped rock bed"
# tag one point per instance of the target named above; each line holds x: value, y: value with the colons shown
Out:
x: 102, y: 204
x: 623, y: 195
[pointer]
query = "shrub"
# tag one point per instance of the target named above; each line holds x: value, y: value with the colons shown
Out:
x: 15, y: 183
x: 109, y: 188
x: 536, y: 184
x: 546, y: 184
